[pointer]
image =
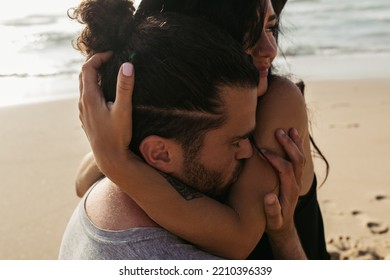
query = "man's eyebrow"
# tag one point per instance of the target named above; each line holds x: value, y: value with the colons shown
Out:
x: 246, y: 135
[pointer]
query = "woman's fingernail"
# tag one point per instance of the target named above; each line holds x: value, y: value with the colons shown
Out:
x: 127, y: 69
x: 280, y: 132
x: 294, y: 132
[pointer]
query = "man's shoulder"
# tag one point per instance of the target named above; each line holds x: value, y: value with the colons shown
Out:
x: 84, y: 239
x: 109, y: 208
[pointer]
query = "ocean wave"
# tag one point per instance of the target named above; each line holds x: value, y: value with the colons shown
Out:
x: 330, y: 8
x: 45, y: 40
x: 366, y: 6
x: 55, y: 38
x: 31, y: 20
x: 306, y: 50
x: 39, y: 75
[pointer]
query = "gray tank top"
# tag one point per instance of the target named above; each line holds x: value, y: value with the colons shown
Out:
x: 82, y: 240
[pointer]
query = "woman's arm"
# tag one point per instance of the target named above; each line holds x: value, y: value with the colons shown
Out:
x: 87, y: 174
x: 221, y: 225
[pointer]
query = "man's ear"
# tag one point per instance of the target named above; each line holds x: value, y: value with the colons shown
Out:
x: 161, y: 153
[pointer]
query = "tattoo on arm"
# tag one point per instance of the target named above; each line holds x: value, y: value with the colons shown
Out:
x: 185, y: 191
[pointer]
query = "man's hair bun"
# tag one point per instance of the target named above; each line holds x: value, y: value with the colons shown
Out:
x: 109, y: 24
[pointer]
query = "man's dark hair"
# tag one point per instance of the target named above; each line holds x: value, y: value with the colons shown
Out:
x: 242, y: 19
x: 181, y: 66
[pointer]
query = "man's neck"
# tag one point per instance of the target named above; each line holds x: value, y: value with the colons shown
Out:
x: 187, y: 192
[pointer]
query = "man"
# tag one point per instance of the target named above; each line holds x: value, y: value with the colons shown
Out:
x: 199, y: 140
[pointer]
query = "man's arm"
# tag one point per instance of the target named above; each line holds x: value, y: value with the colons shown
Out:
x: 285, y: 244
x: 282, y: 234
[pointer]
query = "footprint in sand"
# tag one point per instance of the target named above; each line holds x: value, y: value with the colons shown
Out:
x: 377, y: 228
x: 356, y: 212
x: 344, y: 248
x: 343, y: 243
x: 380, y: 197
x: 374, y: 227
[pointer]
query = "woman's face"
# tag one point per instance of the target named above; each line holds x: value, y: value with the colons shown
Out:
x: 265, y: 50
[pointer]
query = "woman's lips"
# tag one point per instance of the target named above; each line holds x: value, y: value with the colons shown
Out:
x: 263, y: 73
x: 263, y: 70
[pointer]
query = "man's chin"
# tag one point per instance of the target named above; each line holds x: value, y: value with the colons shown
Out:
x: 222, y: 195
x: 237, y: 173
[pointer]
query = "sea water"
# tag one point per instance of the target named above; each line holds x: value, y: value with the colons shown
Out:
x: 321, y: 39
x: 336, y: 39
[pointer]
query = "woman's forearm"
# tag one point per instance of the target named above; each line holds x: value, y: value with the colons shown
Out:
x: 87, y: 174
x: 185, y: 216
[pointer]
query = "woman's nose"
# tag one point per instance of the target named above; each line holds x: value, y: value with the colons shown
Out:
x: 265, y: 46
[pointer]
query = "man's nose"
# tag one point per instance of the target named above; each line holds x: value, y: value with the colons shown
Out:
x: 246, y: 150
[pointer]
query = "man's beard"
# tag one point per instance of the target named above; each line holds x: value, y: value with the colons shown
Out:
x: 210, y: 182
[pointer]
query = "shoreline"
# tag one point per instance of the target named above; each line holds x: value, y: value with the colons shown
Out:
x: 341, y: 67
x: 31, y: 90
x: 42, y: 144
x: 351, y: 67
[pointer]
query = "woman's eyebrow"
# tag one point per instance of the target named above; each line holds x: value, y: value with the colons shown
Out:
x: 272, y: 17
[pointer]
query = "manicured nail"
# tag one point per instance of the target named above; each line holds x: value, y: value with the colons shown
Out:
x: 127, y: 69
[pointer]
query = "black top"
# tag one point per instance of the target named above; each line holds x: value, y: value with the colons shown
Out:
x: 310, y: 227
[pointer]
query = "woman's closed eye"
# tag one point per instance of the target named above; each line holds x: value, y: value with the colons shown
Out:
x: 272, y: 25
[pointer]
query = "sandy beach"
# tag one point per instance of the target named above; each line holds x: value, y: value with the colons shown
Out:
x: 42, y: 144
x: 350, y: 123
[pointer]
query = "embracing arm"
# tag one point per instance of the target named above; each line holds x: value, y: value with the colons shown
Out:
x: 87, y: 174
x: 156, y: 196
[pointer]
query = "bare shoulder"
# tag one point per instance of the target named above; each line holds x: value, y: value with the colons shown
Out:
x: 282, y: 106
x: 283, y: 89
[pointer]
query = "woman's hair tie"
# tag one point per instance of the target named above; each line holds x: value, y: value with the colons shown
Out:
x: 132, y: 56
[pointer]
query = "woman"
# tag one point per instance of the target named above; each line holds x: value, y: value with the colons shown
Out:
x: 282, y: 107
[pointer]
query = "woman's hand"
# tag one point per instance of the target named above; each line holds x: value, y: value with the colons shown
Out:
x: 100, y: 119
